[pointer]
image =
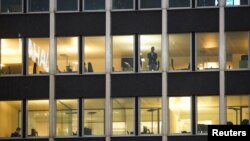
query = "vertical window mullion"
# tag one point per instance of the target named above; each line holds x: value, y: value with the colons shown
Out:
x: 136, y: 115
x: 81, y: 54
x: 24, y: 118
x: 193, y: 53
x: 136, y: 52
x: 194, y: 114
x: 24, y: 56
x: 80, y: 115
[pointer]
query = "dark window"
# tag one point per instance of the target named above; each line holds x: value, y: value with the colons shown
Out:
x: 201, y: 3
x: 123, y: 4
x: 11, y: 6
x: 38, y: 5
x: 94, y: 4
x: 150, y: 3
x: 67, y: 5
x: 179, y: 3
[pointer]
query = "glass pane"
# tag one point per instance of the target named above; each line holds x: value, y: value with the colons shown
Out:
x: 38, y: 5
x: 67, y: 5
x: 179, y: 51
x: 38, y: 49
x: 38, y: 118
x: 237, y: 110
x: 94, y: 4
x: 8, y: 6
x: 67, y: 117
x: 150, y: 116
x: 93, y: 117
x: 207, y: 51
x: 94, y: 54
x: 204, y: 3
x: 179, y: 3
x: 11, y: 56
x: 236, y: 2
x: 11, y: 119
x: 150, y: 55
x: 237, y: 44
x: 208, y: 112
x: 123, y: 53
x: 67, y: 55
x: 150, y: 3
x: 122, y: 4
x: 123, y: 116
x: 180, y: 115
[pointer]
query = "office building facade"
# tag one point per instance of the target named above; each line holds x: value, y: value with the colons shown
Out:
x: 118, y: 70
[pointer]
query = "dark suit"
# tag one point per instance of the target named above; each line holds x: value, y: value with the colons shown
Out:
x: 152, y: 57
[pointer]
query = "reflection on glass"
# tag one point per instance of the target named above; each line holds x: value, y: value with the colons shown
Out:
x: 94, y: 54
x: 123, y: 53
x: 38, y: 5
x: 150, y: 53
x: 11, y: 119
x: 67, y: 5
x: 94, y: 4
x: 93, y: 117
x: 38, y: 118
x: 150, y: 3
x: 237, y: 110
x: 123, y: 116
x: 8, y: 6
x: 38, y: 49
x: 180, y: 115
x: 179, y: 51
x: 67, y: 55
x: 208, y: 112
x: 179, y: 3
x: 203, y: 3
x: 236, y: 2
x: 237, y: 50
x: 67, y: 117
x: 122, y: 4
x: 10, y: 56
x: 207, y: 51
x: 150, y: 116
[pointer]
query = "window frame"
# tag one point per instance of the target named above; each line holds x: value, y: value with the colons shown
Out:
x: 122, y: 9
x: 190, y: 57
x: 139, y: 6
x: 191, y: 117
x: 134, y: 55
x: 22, y: 9
x: 201, y: 7
x: 28, y: 11
x: 100, y: 10
x: 83, y: 55
x: 78, y: 56
x: 22, y: 56
x: 196, y: 53
x: 134, y: 117
x: 68, y: 11
x: 173, y: 8
x: 247, y: 5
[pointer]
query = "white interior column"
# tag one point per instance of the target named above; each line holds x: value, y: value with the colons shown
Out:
x: 108, y: 115
x: 222, y: 60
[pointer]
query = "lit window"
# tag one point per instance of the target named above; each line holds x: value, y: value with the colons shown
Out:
x: 38, y: 5
x: 11, y: 6
x: 150, y: 116
x: 150, y: 4
x: 207, y: 3
x: 207, y: 51
x: 123, y: 116
x: 67, y: 55
x: 150, y: 52
x: 180, y: 115
x: 123, y: 54
x: 94, y: 54
x: 237, y: 50
x: 38, y: 53
x: 11, y: 56
x: 179, y: 52
x: 38, y: 118
x: 237, y: 110
x: 67, y: 117
x: 208, y: 112
x: 67, y: 5
x: 122, y: 4
x: 93, y: 117
x: 179, y: 3
x: 236, y: 2
x: 11, y: 119
x: 94, y: 4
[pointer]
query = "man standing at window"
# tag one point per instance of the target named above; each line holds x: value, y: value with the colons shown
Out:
x: 152, y: 57
x: 16, y: 133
